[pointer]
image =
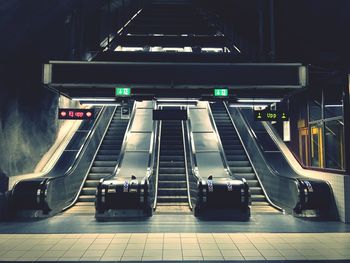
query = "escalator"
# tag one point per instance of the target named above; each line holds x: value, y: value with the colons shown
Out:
x: 172, y: 186
x: 103, y: 165
x: 238, y: 160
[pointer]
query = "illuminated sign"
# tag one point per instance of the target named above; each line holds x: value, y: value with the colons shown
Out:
x: 266, y: 115
x: 122, y: 92
x: 75, y: 114
x: 220, y: 92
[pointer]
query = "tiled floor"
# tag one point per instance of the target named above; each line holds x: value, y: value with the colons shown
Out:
x: 174, y: 246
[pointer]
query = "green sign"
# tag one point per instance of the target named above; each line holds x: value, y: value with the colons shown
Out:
x: 220, y: 92
x: 266, y: 115
x: 122, y: 92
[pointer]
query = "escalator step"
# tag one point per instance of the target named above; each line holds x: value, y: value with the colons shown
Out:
x: 238, y: 163
x: 256, y: 191
x: 109, y: 152
x: 91, y: 183
x: 86, y: 198
x: 101, y: 157
x: 172, y: 184
x: 253, y: 183
x: 172, y: 170
x: 258, y: 198
x: 97, y: 176
x: 105, y: 163
x: 102, y: 169
x: 171, y: 158
x: 241, y: 169
x: 172, y: 191
x: 236, y: 157
x: 88, y: 191
x: 169, y: 199
x: 171, y: 164
x: 171, y: 177
x: 247, y: 176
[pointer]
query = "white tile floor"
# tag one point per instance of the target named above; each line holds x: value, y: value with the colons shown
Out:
x: 174, y: 246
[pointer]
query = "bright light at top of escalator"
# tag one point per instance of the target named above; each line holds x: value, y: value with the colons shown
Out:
x: 252, y: 106
x: 212, y: 49
x: 249, y: 100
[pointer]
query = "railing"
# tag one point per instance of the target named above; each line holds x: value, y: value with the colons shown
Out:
x: 186, y: 165
x: 251, y: 134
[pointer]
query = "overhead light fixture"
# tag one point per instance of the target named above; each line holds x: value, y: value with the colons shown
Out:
x: 93, y: 99
x: 237, y: 105
x: 177, y: 102
x: 334, y: 106
x: 259, y: 100
x: 237, y: 49
x: 212, y: 49
x: 96, y: 103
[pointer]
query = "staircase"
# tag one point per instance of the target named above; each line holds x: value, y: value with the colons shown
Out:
x: 103, y: 164
x: 237, y: 159
x: 172, y: 187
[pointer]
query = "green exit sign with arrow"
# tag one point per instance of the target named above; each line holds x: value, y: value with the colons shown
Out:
x: 220, y: 92
x: 122, y: 91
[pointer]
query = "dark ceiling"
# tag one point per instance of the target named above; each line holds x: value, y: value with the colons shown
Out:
x: 312, y: 31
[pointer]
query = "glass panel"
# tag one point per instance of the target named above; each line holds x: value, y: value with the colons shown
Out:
x: 315, y: 108
x: 333, y: 102
x: 334, y: 144
x: 316, y: 145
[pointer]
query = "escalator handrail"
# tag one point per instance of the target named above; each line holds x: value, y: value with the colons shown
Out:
x: 81, y: 150
x: 93, y: 159
x: 158, y: 158
x: 219, y: 143
x: 195, y: 170
x: 186, y: 166
x: 249, y: 130
x: 124, y: 143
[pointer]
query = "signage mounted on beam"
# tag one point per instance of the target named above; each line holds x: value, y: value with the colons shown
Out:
x: 219, y: 92
x: 75, y: 114
x: 169, y: 114
x: 122, y: 91
x: 266, y: 115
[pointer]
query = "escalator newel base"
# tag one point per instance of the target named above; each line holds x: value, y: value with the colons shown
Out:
x: 223, y: 198
x: 122, y: 199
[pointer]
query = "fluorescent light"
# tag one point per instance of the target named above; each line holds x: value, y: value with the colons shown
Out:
x: 120, y: 48
x: 177, y: 104
x: 93, y: 99
x: 212, y: 49
x: 334, y: 106
x: 177, y: 100
x: 92, y: 103
x: 259, y: 100
x: 237, y: 49
x: 237, y: 105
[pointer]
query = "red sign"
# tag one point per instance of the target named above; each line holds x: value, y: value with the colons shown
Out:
x: 75, y: 114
